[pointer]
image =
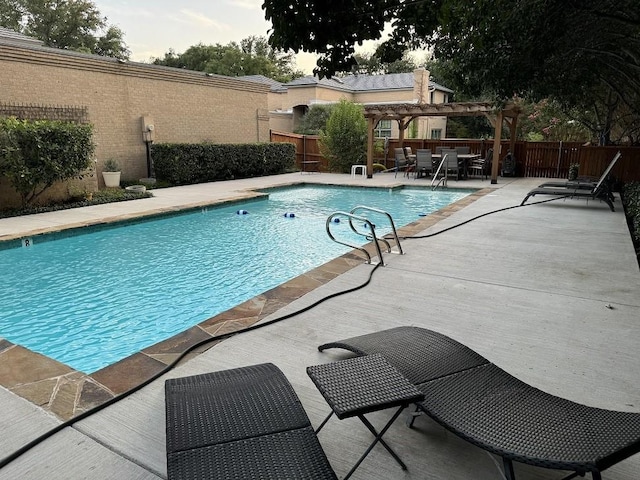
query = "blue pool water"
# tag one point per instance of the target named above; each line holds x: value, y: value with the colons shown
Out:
x: 90, y: 300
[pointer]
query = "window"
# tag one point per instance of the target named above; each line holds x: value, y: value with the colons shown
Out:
x: 383, y: 129
x: 436, y: 134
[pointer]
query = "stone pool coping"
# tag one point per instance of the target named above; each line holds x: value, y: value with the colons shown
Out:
x: 65, y: 392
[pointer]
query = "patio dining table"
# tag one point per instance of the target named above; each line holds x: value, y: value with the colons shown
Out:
x: 464, y: 159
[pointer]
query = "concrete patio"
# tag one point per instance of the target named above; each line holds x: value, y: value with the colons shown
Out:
x: 549, y: 292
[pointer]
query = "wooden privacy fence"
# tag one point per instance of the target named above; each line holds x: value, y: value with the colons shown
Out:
x: 307, y: 149
x: 534, y: 159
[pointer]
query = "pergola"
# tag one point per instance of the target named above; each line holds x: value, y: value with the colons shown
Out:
x: 404, y: 113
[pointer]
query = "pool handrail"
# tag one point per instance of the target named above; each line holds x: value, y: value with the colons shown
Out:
x: 371, y: 226
x: 443, y: 180
x: 391, y: 222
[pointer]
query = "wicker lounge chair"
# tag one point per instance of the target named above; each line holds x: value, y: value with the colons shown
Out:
x: 239, y: 424
x: 490, y: 408
x: 599, y: 190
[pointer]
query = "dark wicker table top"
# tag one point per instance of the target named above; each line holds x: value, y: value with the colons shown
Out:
x: 363, y: 384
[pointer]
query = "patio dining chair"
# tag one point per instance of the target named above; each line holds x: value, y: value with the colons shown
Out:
x: 411, y: 158
x: 424, y: 163
x: 401, y: 160
x: 481, y: 166
x: 452, y: 165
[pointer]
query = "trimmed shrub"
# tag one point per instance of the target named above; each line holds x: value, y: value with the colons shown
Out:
x: 186, y: 164
x: 344, y: 141
x: 36, y: 154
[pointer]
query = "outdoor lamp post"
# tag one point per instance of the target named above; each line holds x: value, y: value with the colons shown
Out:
x: 147, y: 137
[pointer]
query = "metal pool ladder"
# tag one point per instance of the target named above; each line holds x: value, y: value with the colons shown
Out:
x: 369, y: 235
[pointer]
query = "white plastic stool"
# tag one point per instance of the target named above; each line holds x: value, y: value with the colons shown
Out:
x: 354, y: 170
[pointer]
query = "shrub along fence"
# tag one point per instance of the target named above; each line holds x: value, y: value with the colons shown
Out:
x: 534, y: 159
x: 185, y: 164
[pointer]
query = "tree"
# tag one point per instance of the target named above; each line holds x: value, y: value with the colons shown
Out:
x: 71, y: 24
x: 545, y: 120
x: 532, y: 45
x: 344, y: 140
x: 315, y: 120
x: 11, y: 13
x: 370, y: 64
x: 253, y: 56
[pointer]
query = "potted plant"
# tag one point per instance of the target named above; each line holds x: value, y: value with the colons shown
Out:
x: 573, y: 171
x: 111, y: 173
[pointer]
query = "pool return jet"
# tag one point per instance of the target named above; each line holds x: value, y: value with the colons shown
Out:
x: 369, y: 234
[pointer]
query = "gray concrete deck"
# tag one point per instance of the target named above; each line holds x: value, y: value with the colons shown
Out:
x: 549, y: 292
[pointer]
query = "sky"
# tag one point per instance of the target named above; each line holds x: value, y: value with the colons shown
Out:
x: 151, y: 29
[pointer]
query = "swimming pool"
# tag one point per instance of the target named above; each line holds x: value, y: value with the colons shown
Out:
x: 90, y: 300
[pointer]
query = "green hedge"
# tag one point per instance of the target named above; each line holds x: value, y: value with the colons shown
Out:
x: 631, y: 199
x: 36, y: 154
x: 185, y: 164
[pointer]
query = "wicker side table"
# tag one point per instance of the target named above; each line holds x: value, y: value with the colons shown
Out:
x: 361, y: 385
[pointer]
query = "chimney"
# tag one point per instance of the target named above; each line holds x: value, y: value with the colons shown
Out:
x: 421, y: 85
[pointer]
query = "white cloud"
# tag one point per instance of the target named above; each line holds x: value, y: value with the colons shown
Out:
x: 247, y: 4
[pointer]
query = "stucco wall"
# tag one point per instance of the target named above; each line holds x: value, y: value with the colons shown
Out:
x: 310, y: 95
x: 383, y: 96
x: 281, y: 122
x: 183, y: 106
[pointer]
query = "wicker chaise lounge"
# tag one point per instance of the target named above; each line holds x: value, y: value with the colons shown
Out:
x: 245, y: 423
x: 490, y: 408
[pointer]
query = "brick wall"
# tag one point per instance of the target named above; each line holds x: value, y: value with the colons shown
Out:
x: 183, y: 106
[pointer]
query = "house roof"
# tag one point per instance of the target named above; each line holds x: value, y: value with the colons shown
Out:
x: 7, y: 34
x: 274, y: 84
x: 361, y: 83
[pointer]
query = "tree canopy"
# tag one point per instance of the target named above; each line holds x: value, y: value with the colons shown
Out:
x: 370, y: 64
x: 252, y: 56
x: 532, y: 46
x: 583, y: 53
x: 71, y: 24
